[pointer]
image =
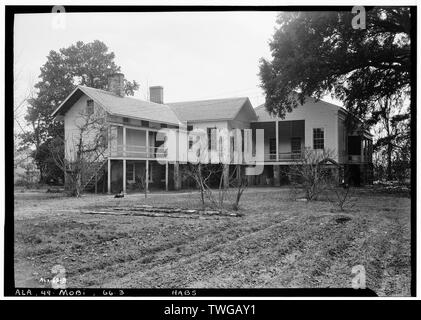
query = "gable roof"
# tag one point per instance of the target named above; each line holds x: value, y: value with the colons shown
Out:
x: 211, y: 110
x: 121, y: 106
x: 262, y: 113
x: 171, y: 113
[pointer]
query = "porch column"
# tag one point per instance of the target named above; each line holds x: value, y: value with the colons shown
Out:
x: 176, y: 175
x: 109, y: 141
x: 226, y: 173
x: 124, y: 176
x: 362, y: 149
x: 147, y: 144
x: 166, y: 176
x: 276, y: 175
x: 277, y: 140
x: 147, y: 176
x: 124, y: 141
x: 109, y: 177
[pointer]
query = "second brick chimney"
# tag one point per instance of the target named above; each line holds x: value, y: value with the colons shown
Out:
x: 156, y: 94
x: 116, y: 84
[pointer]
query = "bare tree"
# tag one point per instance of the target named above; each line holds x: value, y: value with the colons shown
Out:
x: 202, y: 174
x: 78, y: 155
x: 205, y: 176
x: 22, y: 92
x: 343, y: 196
x: 311, y: 173
x: 21, y: 101
x: 222, y: 190
x: 200, y: 171
x: 239, y: 184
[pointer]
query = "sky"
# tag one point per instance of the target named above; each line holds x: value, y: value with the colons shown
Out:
x: 199, y: 55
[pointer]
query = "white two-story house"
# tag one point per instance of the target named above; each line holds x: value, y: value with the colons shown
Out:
x: 134, y: 151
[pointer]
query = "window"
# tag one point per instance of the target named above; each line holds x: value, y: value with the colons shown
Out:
x: 354, y: 145
x: 144, y: 123
x: 103, y: 137
x: 296, y: 145
x: 89, y: 106
x: 211, y: 139
x: 272, y: 149
x: 318, y: 138
x: 126, y: 120
x: 189, y: 128
x: 209, y: 131
x: 272, y: 146
x: 232, y: 145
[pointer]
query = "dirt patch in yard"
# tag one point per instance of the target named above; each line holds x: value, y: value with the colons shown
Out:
x: 276, y: 243
x: 160, y: 211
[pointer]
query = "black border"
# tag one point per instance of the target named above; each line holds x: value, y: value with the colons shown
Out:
x: 9, y: 286
x: 413, y: 151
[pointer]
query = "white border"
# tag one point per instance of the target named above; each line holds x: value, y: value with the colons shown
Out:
x: 195, y: 2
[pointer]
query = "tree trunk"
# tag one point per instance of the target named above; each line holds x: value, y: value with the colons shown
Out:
x: 41, y: 174
x: 389, y: 161
x: 201, y: 184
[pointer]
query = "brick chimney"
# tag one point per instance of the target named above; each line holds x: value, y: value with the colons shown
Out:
x: 156, y: 94
x: 116, y: 84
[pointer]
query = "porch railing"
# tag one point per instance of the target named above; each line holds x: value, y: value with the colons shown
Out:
x: 284, y: 156
x: 133, y: 151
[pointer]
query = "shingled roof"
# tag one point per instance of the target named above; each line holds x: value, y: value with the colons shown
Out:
x: 217, y: 109
x: 171, y: 113
x: 121, y: 106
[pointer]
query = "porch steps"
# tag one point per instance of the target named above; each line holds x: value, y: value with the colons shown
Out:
x: 95, y: 169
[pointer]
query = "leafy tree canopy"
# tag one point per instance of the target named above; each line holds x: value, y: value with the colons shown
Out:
x: 87, y: 64
x: 319, y: 53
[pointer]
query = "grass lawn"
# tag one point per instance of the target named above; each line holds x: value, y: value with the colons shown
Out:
x: 276, y: 243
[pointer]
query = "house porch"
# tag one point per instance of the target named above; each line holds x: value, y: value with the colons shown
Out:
x: 128, y: 175
x: 283, y: 140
